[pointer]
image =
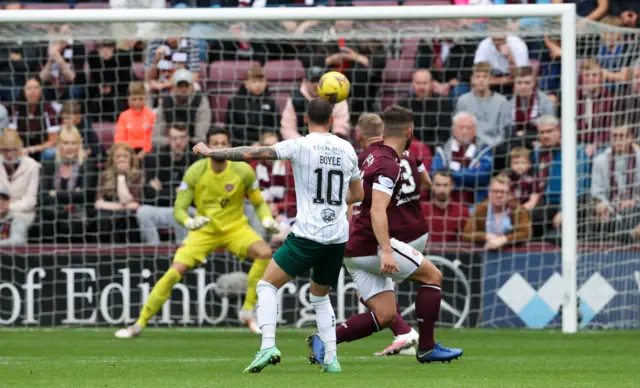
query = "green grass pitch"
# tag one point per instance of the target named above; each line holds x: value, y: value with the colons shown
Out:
x: 215, y: 358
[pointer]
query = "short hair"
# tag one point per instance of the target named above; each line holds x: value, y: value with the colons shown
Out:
x: 501, y: 178
x: 218, y: 131
x: 463, y: 114
x: 590, y: 64
x: 396, y: 119
x: 547, y: 120
x: 482, y: 67
x: 613, y: 21
x: 370, y: 125
x: 179, y: 126
x: 136, y: 88
x: 71, y: 107
x: 524, y: 71
x: 319, y: 111
x: 255, y: 72
x: 519, y: 152
x: 445, y: 172
x: 266, y: 134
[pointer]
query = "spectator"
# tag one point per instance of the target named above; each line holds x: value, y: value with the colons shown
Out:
x: 527, y: 104
x: 13, y: 231
x: 110, y: 72
x: 431, y: 114
x: 523, y: 181
x: 292, y: 123
x: 504, y: 54
x: 469, y: 162
x: 590, y: 9
x: 159, y: 50
x: 445, y: 217
x: 614, y: 53
x: 119, y: 195
x: 164, y: 169
x: 490, y: 109
x: 135, y: 125
x: 629, y: 15
x: 18, y: 60
x: 595, y: 107
x: 615, y: 183
x: 499, y: 219
x: 251, y: 110
x: 547, y: 159
x: 68, y: 186
x: 71, y: 114
x: 183, y: 104
x: 19, y: 176
x: 64, y: 69
x: 36, y: 122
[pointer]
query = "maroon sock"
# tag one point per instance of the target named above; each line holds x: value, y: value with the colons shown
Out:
x: 356, y: 327
x: 399, y: 326
x: 427, y: 310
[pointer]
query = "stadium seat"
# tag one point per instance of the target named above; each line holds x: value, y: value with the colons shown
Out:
x: 105, y: 132
x: 409, y: 48
x: 374, y: 3
x: 219, y: 102
x: 427, y: 2
x: 287, y: 71
x: 98, y: 5
x: 396, y: 81
x: 46, y: 6
x: 228, y: 74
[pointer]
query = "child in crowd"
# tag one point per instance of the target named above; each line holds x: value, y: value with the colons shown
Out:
x: 135, y: 125
x: 523, y: 181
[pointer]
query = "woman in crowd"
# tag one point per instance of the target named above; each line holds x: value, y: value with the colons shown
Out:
x: 19, y: 175
x: 36, y: 121
x: 119, y: 195
x: 68, y: 186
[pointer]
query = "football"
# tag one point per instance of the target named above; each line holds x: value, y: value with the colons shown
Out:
x: 334, y: 86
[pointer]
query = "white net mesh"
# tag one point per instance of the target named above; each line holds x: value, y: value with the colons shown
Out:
x: 91, y: 266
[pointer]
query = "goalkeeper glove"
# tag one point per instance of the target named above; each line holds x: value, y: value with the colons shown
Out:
x: 196, y: 223
x: 271, y: 226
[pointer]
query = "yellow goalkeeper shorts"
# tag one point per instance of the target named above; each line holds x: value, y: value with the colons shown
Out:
x: 199, y: 245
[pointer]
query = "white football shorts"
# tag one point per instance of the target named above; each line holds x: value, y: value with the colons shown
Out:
x: 365, y: 270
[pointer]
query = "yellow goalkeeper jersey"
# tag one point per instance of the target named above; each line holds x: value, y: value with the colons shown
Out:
x: 219, y: 196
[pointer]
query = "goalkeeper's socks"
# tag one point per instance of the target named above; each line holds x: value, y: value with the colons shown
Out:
x: 399, y: 326
x: 356, y: 327
x: 267, y: 311
x: 427, y: 310
x: 255, y: 274
x: 160, y: 293
x: 326, y: 321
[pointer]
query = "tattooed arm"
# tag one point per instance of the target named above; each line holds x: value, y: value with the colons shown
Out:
x: 246, y: 154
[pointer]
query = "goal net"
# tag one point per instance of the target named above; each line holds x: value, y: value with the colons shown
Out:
x: 91, y: 257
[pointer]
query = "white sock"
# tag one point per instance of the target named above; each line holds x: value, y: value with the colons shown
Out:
x: 267, y: 313
x: 326, y: 320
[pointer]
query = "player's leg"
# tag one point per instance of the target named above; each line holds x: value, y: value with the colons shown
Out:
x: 191, y: 253
x: 247, y: 243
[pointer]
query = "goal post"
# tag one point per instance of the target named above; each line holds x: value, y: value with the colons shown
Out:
x: 96, y: 24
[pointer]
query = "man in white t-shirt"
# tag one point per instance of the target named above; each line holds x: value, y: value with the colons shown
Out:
x: 504, y: 54
x: 327, y: 181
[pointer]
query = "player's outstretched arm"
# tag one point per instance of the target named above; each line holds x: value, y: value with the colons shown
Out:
x: 237, y: 154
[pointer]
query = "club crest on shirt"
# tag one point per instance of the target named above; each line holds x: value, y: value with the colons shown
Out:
x: 224, y: 202
x: 387, y: 182
x: 229, y: 187
x: 328, y: 215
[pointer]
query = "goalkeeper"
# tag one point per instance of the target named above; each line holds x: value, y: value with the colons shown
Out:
x: 218, y: 189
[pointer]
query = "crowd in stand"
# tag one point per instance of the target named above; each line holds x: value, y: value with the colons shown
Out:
x: 96, y: 136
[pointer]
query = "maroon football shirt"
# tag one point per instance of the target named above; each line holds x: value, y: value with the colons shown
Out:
x: 406, y: 222
x: 380, y: 169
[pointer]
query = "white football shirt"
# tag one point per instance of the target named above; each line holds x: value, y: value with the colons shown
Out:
x: 323, y: 166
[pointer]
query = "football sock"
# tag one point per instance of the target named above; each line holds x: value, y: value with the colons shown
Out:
x: 267, y: 311
x: 255, y: 274
x: 160, y: 293
x: 399, y: 326
x: 356, y: 327
x: 427, y: 310
x: 326, y: 320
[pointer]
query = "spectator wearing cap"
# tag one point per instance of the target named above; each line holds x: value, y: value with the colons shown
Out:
x: 19, y: 176
x: 491, y: 109
x: 13, y: 230
x: 164, y: 169
x: 252, y: 111
x: 162, y: 50
x: 431, y: 113
x: 615, y: 183
x: 469, y: 162
x: 184, y: 104
x: 135, y: 125
x: 110, y: 73
x: 67, y: 188
x: 292, y: 123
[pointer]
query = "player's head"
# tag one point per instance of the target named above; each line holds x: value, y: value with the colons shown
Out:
x: 218, y: 138
x: 398, y: 123
x: 442, y: 185
x: 319, y: 115
x: 370, y: 126
x: 464, y: 127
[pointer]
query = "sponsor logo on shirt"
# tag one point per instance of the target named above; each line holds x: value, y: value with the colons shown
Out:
x: 229, y: 187
x: 387, y: 182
